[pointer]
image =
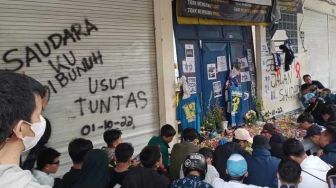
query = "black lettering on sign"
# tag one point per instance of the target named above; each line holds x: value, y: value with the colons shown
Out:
x: 35, y: 52
x: 126, y: 121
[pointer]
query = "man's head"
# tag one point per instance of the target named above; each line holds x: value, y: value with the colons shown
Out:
x: 150, y: 157
x: 48, y: 160
x: 289, y: 172
x: 268, y: 130
x: 305, y: 120
x: 294, y: 150
x: 242, y: 137
x: 78, y: 148
x: 112, y: 137
x: 20, y: 109
x: 307, y: 79
x: 328, y: 136
x: 261, y: 142
x: 167, y: 133
x: 327, y: 112
x: 310, y: 98
x: 236, y: 167
x: 208, y: 154
x: 189, y: 135
x: 195, y: 164
x: 124, y: 153
x: 314, y: 134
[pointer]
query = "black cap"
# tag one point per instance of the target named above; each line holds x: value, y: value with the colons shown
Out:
x: 313, y: 130
x: 260, y: 141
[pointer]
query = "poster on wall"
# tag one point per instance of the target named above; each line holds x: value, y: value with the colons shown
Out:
x: 192, y: 85
x: 188, y: 66
x: 221, y: 64
x: 257, y: 2
x: 189, y: 53
x: 217, y: 88
x: 249, y: 55
x: 243, y: 63
x: 212, y: 72
x: 245, y: 76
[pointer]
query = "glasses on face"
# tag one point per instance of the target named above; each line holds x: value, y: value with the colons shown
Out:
x: 288, y: 186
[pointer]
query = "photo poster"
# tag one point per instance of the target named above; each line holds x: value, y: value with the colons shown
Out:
x: 243, y: 63
x: 217, y: 88
x: 188, y: 66
x: 192, y: 85
x: 189, y: 53
x: 221, y: 64
x: 245, y: 76
x: 249, y: 55
x: 212, y: 72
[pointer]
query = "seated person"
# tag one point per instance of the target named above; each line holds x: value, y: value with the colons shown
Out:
x: 289, y: 173
x: 315, y: 107
x: 194, y: 169
x: 310, y: 86
x: 146, y: 175
x: 77, y: 150
x: 313, y: 135
x: 166, y: 136
x: 242, y: 137
x: 237, y: 171
x: 328, y: 114
x: 123, y: 154
x: 47, y: 163
x: 112, y: 138
x: 181, y: 150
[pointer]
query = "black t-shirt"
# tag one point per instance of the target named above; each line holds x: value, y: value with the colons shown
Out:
x: 117, y: 177
x: 315, y: 111
x: 140, y: 177
x: 71, y: 178
x: 314, y: 82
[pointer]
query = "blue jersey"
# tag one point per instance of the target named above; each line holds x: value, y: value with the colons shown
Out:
x: 188, y: 112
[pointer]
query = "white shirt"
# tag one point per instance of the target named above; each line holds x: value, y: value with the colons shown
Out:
x: 43, y: 178
x: 219, y: 183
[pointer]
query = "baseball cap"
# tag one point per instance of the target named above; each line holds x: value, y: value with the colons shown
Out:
x: 313, y: 130
x: 270, y: 128
x: 260, y: 141
x: 236, y: 165
x: 242, y: 134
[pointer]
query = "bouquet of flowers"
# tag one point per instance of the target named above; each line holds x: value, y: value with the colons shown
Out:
x: 251, y: 117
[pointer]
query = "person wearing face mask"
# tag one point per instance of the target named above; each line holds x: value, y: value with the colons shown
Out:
x: 21, y: 127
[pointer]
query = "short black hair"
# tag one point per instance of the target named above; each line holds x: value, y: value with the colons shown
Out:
x: 112, y: 135
x: 189, y: 134
x: 37, y: 87
x: 305, y: 117
x: 331, y: 172
x: 305, y: 76
x: 293, y: 147
x: 17, y: 101
x: 207, y: 152
x: 289, y: 171
x: 328, y: 109
x: 46, y: 156
x: 124, y: 152
x: 331, y: 130
x: 149, y: 156
x: 78, y: 148
x: 167, y: 131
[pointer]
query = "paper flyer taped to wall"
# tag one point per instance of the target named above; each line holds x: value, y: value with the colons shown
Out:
x: 217, y: 88
x: 243, y: 63
x: 192, y: 85
x: 221, y: 64
x: 189, y: 53
x: 212, y: 72
x: 245, y: 76
x: 188, y: 66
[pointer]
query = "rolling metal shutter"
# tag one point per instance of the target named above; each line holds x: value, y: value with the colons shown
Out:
x: 101, y: 66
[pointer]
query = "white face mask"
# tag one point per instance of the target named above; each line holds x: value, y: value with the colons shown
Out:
x: 38, y: 128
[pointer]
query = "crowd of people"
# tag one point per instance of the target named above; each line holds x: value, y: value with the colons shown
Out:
x: 276, y: 161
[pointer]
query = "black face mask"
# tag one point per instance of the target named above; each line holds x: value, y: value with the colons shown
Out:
x: 288, y: 186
